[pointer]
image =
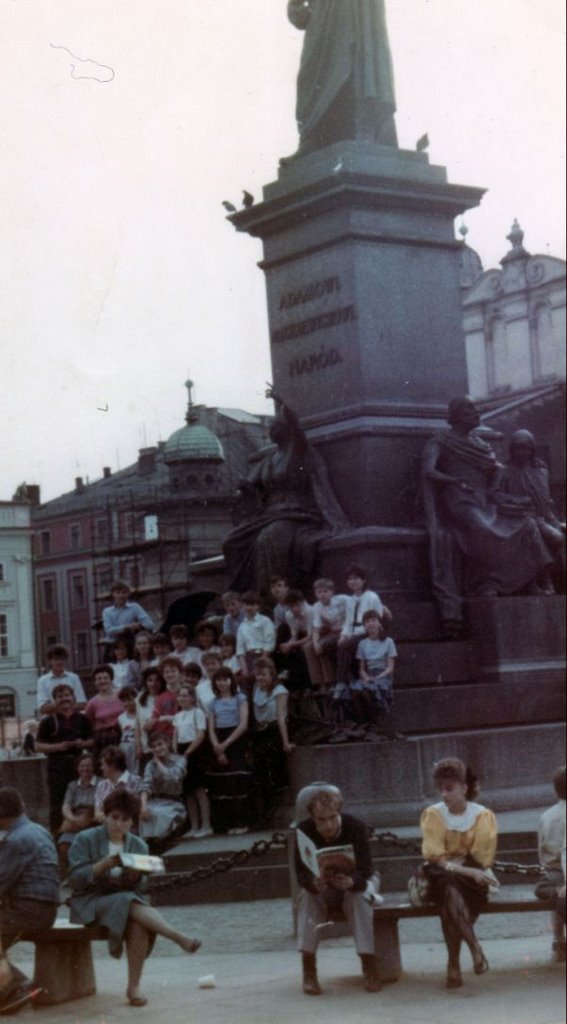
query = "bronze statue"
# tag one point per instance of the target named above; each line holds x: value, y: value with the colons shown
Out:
x: 345, y: 87
x: 524, y: 484
x: 476, y: 549
x: 294, y: 508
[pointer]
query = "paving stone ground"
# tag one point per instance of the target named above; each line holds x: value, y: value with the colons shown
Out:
x: 250, y: 949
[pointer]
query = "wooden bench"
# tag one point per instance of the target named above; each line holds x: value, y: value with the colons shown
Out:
x: 64, y: 961
x: 510, y: 899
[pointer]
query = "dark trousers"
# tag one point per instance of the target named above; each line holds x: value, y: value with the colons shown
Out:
x: 60, y: 772
x: 19, y: 916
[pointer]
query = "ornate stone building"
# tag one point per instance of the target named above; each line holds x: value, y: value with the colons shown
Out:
x: 18, y: 672
x: 146, y: 524
x: 514, y: 321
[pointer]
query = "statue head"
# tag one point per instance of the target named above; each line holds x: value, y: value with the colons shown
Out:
x: 522, y: 448
x: 463, y: 413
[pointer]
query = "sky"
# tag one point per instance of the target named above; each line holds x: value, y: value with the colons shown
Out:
x: 124, y: 127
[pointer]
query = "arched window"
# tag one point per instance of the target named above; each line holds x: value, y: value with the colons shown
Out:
x: 545, y: 356
x: 497, y: 365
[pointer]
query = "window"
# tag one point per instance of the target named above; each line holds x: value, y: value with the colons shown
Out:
x: 129, y: 526
x: 50, y: 639
x: 103, y: 577
x: 48, y: 597
x: 81, y: 650
x: 151, y: 528
x: 45, y: 542
x: 78, y: 591
x: 75, y: 536
x: 101, y: 531
x: 3, y: 636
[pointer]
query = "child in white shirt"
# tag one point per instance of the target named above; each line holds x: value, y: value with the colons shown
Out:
x: 189, y: 731
x: 130, y: 737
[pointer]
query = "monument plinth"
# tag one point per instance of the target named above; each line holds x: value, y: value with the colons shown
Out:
x: 364, y: 306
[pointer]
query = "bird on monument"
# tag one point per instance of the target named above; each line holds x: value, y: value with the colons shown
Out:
x: 229, y: 207
x: 247, y: 199
x: 422, y: 143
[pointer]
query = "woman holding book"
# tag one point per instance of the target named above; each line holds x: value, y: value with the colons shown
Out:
x: 108, y: 894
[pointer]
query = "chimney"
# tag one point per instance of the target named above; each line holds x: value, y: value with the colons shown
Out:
x: 33, y: 495
x: 106, y: 472
x: 147, y: 461
x: 79, y: 485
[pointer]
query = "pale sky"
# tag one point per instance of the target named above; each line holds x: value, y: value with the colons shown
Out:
x: 121, y: 277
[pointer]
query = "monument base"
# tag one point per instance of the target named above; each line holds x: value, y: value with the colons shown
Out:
x: 364, y: 303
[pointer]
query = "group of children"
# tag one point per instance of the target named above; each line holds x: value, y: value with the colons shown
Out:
x: 217, y: 702
x: 337, y: 648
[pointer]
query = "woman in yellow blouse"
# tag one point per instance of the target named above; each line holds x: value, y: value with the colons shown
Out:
x: 459, y: 845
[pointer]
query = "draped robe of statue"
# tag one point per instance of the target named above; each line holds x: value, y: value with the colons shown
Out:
x: 345, y: 87
x: 295, y: 508
x: 475, y: 549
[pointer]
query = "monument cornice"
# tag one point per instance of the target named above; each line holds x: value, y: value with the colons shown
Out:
x: 370, y: 237
x: 351, y: 190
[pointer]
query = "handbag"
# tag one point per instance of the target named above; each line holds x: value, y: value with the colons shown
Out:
x: 419, y: 888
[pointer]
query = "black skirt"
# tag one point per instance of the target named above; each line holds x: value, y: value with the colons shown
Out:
x: 475, y: 896
x: 195, y: 771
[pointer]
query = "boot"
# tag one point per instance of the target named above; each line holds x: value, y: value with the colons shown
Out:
x: 370, y: 971
x: 311, y: 985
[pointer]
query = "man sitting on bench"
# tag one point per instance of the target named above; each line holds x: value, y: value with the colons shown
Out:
x: 29, y: 892
x: 333, y: 888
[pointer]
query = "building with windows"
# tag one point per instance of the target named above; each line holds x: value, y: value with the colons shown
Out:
x: 513, y: 320
x: 18, y: 671
x: 145, y: 524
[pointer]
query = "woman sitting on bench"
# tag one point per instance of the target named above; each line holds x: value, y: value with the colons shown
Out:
x: 459, y: 845
x: 107, y: 894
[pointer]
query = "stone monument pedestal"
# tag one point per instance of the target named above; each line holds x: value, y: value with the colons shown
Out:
x: 364, y: 305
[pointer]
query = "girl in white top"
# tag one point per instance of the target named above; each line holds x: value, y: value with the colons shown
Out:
x: 228, y: 652
x: 205, y: 694
x: 189, y: 730
x: 152, y: 685
x: 130, y: 732
x: 121, y: 664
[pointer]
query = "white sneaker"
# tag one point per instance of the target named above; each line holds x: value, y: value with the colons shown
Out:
x: 202, y: 833
x: 237, y: 831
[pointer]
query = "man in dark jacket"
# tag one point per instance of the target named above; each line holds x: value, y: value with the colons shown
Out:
x: 29, y: 892
x: 338, y: 886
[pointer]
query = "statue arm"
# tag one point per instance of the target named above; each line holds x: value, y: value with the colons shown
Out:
x: 297, y: 434
x: 299, y: 12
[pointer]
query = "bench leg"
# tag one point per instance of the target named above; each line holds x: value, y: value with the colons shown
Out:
x: 387, y: 946
x: 65, y: 971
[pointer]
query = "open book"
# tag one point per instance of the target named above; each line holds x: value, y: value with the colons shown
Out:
x: 327, y: 862
x: 143, y: 862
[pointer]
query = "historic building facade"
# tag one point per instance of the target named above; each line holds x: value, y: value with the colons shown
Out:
x: 514, y: 321
x: 18, y: 671
x: 146, y: 524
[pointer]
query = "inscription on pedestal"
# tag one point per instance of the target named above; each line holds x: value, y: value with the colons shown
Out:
x: 323, y: 290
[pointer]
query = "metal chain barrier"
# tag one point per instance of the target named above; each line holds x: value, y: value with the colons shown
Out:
x: 221, y: 865
x: 218, y: 866
x: 504, y: 867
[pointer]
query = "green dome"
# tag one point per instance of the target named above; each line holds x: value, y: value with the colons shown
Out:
x: 193, y: 443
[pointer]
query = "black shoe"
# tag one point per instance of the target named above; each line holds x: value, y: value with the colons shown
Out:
x: 23, y: 993
x: 372, y: 981
x: 311, y: 985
